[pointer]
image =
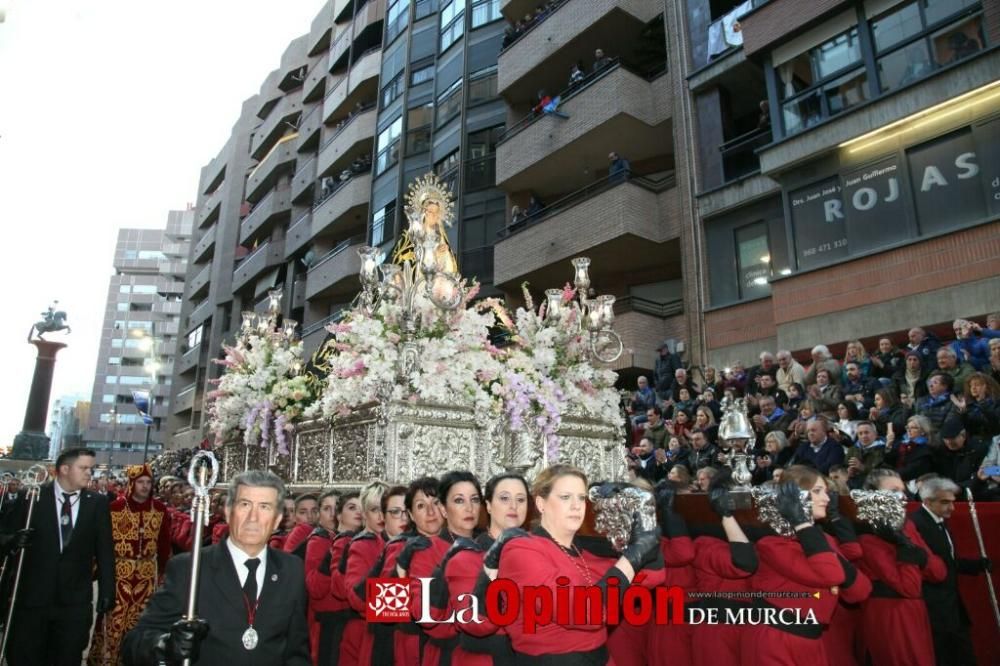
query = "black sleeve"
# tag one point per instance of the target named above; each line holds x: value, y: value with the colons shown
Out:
x: 743, y: 556
x: 166, y: 607
x: 850, y: 572
x: 968, y: 567
x: 297, y: 639
x: 597, y: 546
x: 614, y: 573
x: 842, y: 530
x: 813, y: 541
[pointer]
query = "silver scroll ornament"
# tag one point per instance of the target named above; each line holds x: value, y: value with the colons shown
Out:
x: 613, y: 514
x: 880, y: 508
x: 765, y: 499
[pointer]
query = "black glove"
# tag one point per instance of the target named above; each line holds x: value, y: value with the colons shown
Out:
x: 671, y: 524
x: 789, y: 504
x: 897, y: 537
x: 492, y: 558
x: 10, y: 543
x: 643, y: 545
x: 183, y: 641
x: 911, y: 554
x: 986, y: 564
x: 833, y: 509
x: 324, y: 565
x: 105, y: 604
x: 722, y: 502
x: 417, y: 543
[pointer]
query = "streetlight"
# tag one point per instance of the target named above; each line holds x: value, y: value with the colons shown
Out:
x: 147, y: 343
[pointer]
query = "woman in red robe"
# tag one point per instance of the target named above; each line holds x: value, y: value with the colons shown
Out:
x: 461, y: 497
x: 897, y: 630
x: 799, y: 560
x: 318, y: 549
x: 331, y: 612
x: 553, y: 552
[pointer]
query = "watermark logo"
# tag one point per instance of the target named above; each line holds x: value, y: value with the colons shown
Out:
x: 388, y: 599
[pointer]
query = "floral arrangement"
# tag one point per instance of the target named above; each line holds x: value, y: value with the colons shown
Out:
x: 262, y: 392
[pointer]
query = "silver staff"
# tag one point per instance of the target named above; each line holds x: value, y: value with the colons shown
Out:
x: 32, y: 478
x: 201, y: 481
x: 982, y: 553
x: 5, y: 480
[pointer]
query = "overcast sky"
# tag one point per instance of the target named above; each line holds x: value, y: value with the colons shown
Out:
x: 108, y: 111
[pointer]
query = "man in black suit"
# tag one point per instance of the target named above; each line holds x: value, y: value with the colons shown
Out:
x: 949, y: 618
x: 70, y: 530
x: 251, y: 598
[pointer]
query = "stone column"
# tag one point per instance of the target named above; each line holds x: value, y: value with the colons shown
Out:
x: 32, y: 443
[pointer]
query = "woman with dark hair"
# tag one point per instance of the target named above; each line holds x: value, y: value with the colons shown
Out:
x: 483, y: 643
x: 847, y: 419
x: 796, y: 557
x: 910, y: 381
x: 888, y: 410
x: 553, y: 552
x: 978, y: 408
x: 355, y: 563
x: 396, y: 523
x: 331, y: 611
x: 462, y: 498
x: 318, y: 549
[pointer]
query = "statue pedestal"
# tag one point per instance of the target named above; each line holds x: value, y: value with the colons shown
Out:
x: 32, y: 443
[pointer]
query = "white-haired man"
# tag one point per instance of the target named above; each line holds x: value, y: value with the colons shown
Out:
x: 949, y: 618
x: 789, y: 371
x: 822, y: 358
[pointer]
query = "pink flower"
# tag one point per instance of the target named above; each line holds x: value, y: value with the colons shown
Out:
x: 569, y: 293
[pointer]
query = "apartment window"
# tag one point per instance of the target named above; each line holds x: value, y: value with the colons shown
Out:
x: 388, y: 146
x: 111, y: 379
x: 124, y: 289
x: 822, y: 81
x: 480, y: 167
x: 483, y: 85
x: 449, y: 103
x: 393, y: 90
x: 133, y: 381
x: 132, y: 343
x: 122, y: 307
x: 108, y: 398
x: 418, y: 129
x: 146, y: 255
x: 910, y: 42
x: 422, y: 8
x: 115, y: 360
x: 194, y: 338
x: 753, y: 260
x: 447, y: 170
x: 144, y: 289
x: 116, y: 343
x: 485, y: 11
x: 396, y: 16
x: 383, y: 219
x: 422, y: 74
x: 452, y: 23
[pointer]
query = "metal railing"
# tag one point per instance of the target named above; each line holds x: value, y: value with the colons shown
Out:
x: 318, y: 326
x: 739, y: 155
x: 341, y: 183
x: 347, y: 122
x: 338, y: 249
x: 535, y: 24
x: 655, y: 185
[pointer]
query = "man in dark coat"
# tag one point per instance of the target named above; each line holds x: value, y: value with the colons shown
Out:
x: 949, y: 618
x: 251, y: 598
x: 70, y: 533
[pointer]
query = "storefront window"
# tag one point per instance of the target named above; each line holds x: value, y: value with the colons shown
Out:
x: 754, y: 260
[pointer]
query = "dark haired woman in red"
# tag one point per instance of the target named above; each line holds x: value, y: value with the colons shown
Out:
x: 318, y: 549
x: 798, y: 559
x: 330, y: 611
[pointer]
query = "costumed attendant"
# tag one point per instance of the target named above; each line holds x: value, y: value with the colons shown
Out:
x: 724, y: 564
x: 140, y: 527
x: 552, y: 556
x: 897, y: 629
x: 842, y: 639
x: 427, y: 521
x: 377, y: 634
x: 317, y: 551
x: 672, y: 642
x: 462, y: 499
x: 358, y: 558
x: 336, y: 611
x: 483, y: 643
x: 306, y: 517
x: 797, y: 558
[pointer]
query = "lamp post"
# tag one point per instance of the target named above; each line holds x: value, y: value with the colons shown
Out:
x: 147, y: 343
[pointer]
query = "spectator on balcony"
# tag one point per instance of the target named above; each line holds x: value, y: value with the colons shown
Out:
x: 325, y: 187
x: 886, y: 361
x: 819, y: 450
x: 685, y: 402
x: 925, y: 345
x: 969, y: 348
x: 764, y: 121
x: 710, y: 380
x: 681, y: 380
x: 601, y: 61
x: 509, y: 35
x: 517, y: 218
x: 767, y: 366
x: 857, y: 388
x: 534, y: 206
x: 865, y: 455
x: 938, y: 406
x: 619, y: 167
x: 544, y: 100
x: 979, y: 409
x: 576, y: 75
x: 789, y: 371
x: 887, y: 409
x: 704, y: 421
x: 771, y: 418
x: 735, y: 379
x: 822, y: 358
x: 910, y: 380
x: 960, y: 455
x: 767, y: 388
x: 642, y: 400
x: 856, y: 352
x: 947, y: 361
x: 962, y: 46
x: 825, y: 395
x: 655, y: 428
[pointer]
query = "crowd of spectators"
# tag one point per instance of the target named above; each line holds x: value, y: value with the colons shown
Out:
x: 530, y: 20
x: 930, y: 408
x: 330, y: 184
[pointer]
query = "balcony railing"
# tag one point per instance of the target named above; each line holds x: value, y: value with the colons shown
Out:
x: 550, y: 10
x: 584, y: 193
x: 298, y: 234
x: 366, y: 168
x: 572, y: 91
x: 338, y: 249
x: 346, y: 122
x: 318, y: 326
x: 724, y: 34
x: 739, y: 155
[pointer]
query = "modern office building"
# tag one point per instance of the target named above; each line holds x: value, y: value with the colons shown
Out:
x: 67, y: 420
x: 138, y: 340
x: 849, y: 166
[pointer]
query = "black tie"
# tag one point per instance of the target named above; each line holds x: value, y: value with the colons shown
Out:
x: 66, y: 519
x: 947, y: 536
x: 250, y: 586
